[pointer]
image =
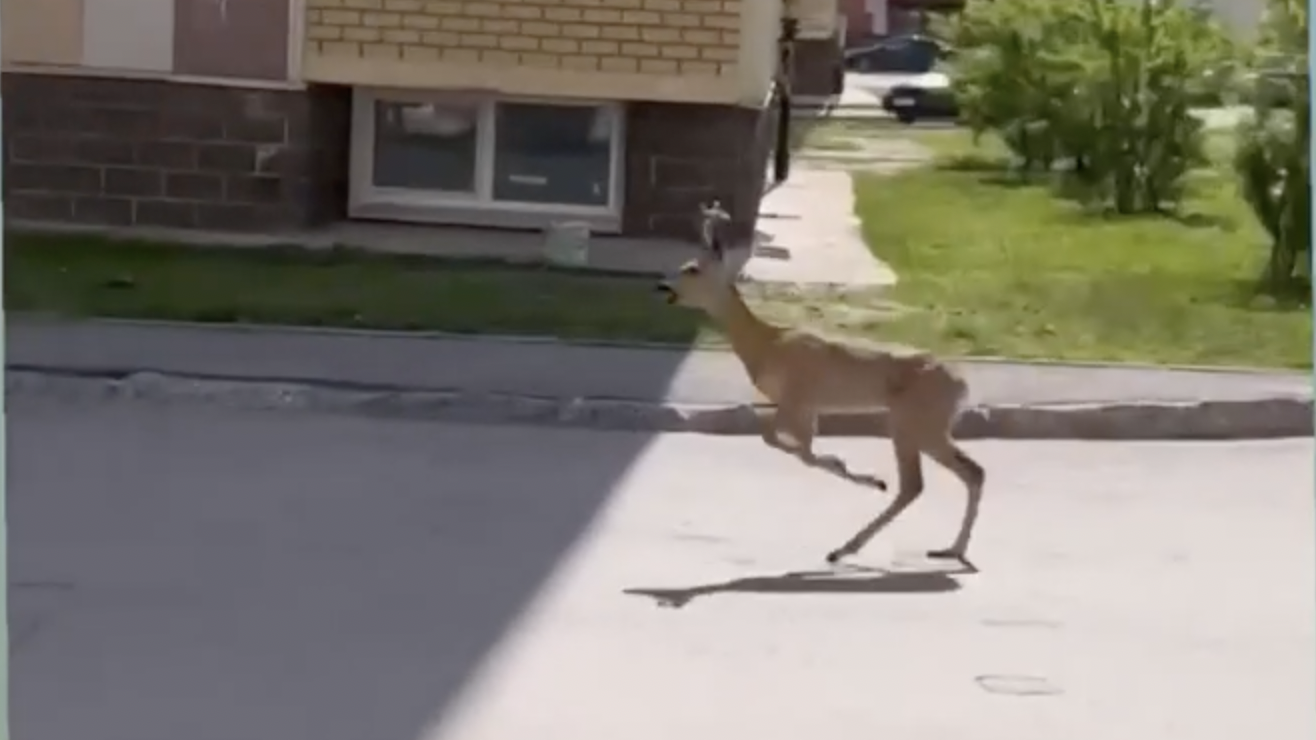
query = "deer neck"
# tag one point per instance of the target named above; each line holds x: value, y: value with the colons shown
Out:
x: 751, y: 337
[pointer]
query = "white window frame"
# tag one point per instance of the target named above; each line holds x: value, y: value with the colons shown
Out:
x: 365, y: 198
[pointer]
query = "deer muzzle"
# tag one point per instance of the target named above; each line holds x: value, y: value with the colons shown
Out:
x: 668, y: 292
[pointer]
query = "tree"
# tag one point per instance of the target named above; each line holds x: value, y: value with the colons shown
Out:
x: 1273, y: 158
x: 1100, y: 88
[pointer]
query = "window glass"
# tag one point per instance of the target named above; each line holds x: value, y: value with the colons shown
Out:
x: 560, y: 154
x: 426, y: 146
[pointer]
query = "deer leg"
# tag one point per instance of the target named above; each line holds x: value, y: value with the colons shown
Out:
x: 781, y: 431
x: 769, y: 432
x: 951, y: 457
x: 802, y: 425
x: 910, y: 469
x: 792, y: 432
x: 799, y: 425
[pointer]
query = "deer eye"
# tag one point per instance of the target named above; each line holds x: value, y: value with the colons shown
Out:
x: 690, y: 270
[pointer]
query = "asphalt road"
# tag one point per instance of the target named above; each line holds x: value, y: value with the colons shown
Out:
x: 210, y: 574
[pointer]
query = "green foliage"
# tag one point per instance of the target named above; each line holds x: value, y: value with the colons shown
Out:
x: 1100, y: 88
x: 1273, y: 156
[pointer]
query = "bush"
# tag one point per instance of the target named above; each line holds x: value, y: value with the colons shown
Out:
x: 1273, y: 156
x: 1100, y: 87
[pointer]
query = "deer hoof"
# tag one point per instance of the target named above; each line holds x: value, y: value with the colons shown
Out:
x: 835, y: 556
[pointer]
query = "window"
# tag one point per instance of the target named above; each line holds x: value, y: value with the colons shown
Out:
x: 461, y: 159
x: 422, y: 146
x: 552, y: 154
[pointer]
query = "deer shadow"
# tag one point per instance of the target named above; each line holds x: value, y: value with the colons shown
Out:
x: 846, y: 579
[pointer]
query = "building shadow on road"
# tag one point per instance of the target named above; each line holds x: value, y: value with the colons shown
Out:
x: 237, y: 573
x: 854, y: 580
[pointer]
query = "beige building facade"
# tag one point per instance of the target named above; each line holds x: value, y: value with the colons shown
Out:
x: 818, y: 67
x: 285, y: 114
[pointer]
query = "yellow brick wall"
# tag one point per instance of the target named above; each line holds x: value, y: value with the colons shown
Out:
x: 643, y: 49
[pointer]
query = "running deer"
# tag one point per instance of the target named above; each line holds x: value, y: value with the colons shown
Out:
x: 806, y: 375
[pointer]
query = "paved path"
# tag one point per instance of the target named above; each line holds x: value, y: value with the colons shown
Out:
x: 808, y: 233
x: 210, y: 574
x: 555, y: 370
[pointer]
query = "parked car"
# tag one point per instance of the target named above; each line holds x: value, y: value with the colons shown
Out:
x: 926, y: 96
x: 909, y: 54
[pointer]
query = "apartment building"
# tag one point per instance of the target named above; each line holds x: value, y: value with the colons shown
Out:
x: 286, y: 114
x: 819, y: 58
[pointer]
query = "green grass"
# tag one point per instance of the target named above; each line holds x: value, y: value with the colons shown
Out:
x: 988, y: 266
x: 92, y: 276
x: 79, y: 275
x: 827, y: 134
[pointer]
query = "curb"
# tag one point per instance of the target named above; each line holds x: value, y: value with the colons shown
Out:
x: 1202, y: 420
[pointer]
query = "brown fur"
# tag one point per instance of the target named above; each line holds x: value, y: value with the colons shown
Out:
x: 806, y: 375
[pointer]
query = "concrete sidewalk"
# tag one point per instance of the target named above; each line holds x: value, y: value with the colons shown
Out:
x: 634, y: 380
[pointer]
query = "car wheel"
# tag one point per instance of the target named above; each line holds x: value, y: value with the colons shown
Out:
x: 906, y: 116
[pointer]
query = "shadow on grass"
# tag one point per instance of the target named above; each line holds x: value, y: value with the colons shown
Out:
x: 993, y: 171
x: 84, y: 275
x: 997, y: 171
x: 1293, y: 296
x: 822, y: 130
x: 1204, y: 221
x: 808, y: 124
x: 803, y: 124
x: 972, y: 163
x: 296, y: 255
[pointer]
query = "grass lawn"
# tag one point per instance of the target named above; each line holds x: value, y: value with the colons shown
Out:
x: 79, y: 275
x: 91, y: 276
x: 830, y: 134
x: 990, y: 267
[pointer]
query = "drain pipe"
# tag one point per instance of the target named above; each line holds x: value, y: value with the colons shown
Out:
x: 781, y: 161
x: 4, y: 567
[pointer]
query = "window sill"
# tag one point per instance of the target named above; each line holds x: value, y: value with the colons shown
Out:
x: 508, y: 217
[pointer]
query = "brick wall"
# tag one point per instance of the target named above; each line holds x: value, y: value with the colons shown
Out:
x: 660, y: 37
x: 859, y: 20
x: 680, y: 155
x: 123, y: 152
x: 818, y: 69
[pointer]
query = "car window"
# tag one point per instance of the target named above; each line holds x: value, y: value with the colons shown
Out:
x: 922, y: 56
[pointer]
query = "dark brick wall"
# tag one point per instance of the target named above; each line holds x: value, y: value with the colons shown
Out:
x: 818, y: 69
x: 858, y: 21
x: 681, y: 155
x: 151, y: 153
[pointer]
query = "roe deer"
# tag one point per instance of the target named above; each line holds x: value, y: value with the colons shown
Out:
x: 805, y: 375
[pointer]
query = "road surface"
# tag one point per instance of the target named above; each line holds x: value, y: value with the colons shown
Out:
x: 210, y: 574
